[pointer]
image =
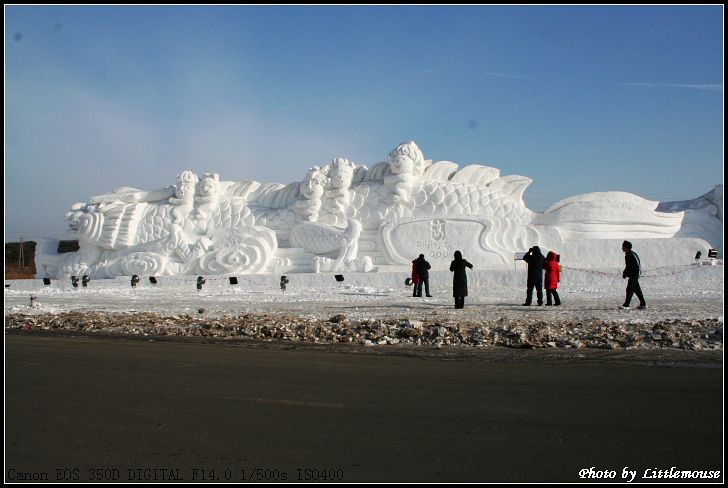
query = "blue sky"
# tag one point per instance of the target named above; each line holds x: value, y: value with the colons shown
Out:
x: 581, y: 99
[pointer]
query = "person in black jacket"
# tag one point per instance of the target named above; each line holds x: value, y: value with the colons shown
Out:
x: 535, y: 261
x: 632, y: 273
x: 421, y: 267
x: 459, y: 279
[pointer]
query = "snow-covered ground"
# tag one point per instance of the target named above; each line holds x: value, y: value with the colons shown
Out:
x: 678, y: 292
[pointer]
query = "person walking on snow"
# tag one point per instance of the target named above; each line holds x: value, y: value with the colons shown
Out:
x: 632, y: 273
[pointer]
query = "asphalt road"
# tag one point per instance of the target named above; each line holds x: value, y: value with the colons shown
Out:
x: 83, y: 409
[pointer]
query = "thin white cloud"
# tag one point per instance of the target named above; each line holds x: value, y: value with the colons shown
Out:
x: 692, y: 86
x: 486, y: 73
x: 505, y: 75
x: 434, y: 72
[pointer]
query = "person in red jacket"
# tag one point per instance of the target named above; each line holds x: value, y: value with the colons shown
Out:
x: 551, y: 280
x: 415, y: 281
x: 421, y: 268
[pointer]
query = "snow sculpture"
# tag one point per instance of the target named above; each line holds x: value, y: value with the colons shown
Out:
x: 324, y: 239
x: 341, y: 172
x: 312, y: 189
x: 406, y: 164
x: 184, y: 196
x: 342, y: 217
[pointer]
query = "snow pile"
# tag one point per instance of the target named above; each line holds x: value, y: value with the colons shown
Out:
x: 681, y: 334
x: 703, y: 217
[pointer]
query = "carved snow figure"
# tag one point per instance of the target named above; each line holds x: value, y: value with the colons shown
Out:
x: 184, y: 196
x: 345, y: 217
x: 197, y: 229
x: 312, y: 189
x: 323, y: 239
x: 406, y: 163
x: 338, y: 197
x: 206, y: 200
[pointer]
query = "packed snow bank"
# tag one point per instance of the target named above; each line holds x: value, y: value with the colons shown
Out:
x: 685, y: 309
x: 263, y: 292
x: 481, y: 282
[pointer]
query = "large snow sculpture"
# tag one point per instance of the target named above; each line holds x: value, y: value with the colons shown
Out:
x: 341, y: 217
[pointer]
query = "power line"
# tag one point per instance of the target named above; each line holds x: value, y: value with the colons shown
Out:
x: 21, y: 258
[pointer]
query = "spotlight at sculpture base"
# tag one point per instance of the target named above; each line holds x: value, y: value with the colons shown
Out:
x: 153, y: 280
x: 339, y: 278
x: 408, y: 282
x: 284, y: 281
x: 233, y: 280
x: 712, y: 253
x: 200, y: 282
x: 74, y: 281
x: 46, y: 281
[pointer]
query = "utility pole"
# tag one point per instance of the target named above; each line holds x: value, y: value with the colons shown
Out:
x: 21, y: 258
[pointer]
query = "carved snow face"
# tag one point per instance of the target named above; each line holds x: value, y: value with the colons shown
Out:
x: 340, y: 178
x: 312, y: 187
x: 401, y: 164
x: 186, y: 184
x: 207, y: 187
x: 185, y: 191
x: 406, y: 159
x: 86, y: 223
